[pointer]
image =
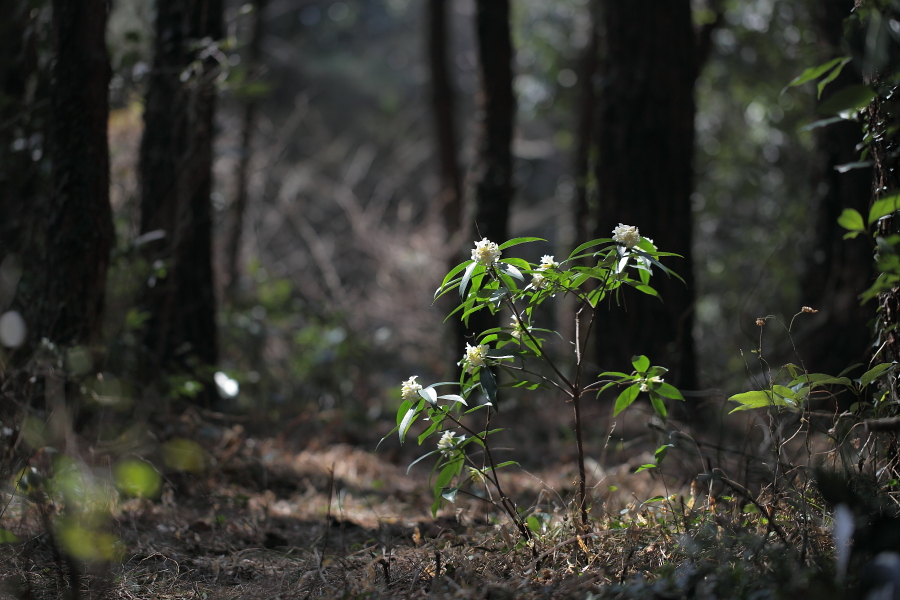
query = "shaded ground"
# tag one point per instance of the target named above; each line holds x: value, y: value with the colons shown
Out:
x: 264, y: 521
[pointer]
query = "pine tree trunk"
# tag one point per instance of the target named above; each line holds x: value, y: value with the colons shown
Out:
x: 838, y: 270
x: 79, y: 217
x: 644, y: 174
x: 176, y: 184
x: 493, y: 169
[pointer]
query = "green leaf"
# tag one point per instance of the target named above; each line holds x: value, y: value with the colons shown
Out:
x: 401, y: 412
x: 784, y: 391
x: 8, y: 537
x: 852, y: 220
x: 873, y: 373
x: 655, y: 499
x: 520, y: 240
x: 860, y: 164
x: 429, y: 394
x: 625, y: 399
x: 884, y: 207
x: 669, y: 391
x: 454, y: 271
x: 511, y: 271
x: 817, y: 379
x: 816, y: 72
x: 431, y: 429
x: 407, y: 421
x: 453, y: 398
x: 822, y: 123
x: 587, y: 245
x: 852, y: 97
x: 489, y: 386
x: 658, y: 405
x: 661, y: 452
x: 753, y: 399
x: 466, y: 277
x: 831, y: 76
x: 420, y: 459
x: 641, y: 363
x: 533, y: 524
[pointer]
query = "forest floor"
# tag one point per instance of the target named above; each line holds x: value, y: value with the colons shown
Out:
x: 267, y: 520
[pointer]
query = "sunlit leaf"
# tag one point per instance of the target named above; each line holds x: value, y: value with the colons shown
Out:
x: 406, y: 422
x: 520, y: 240
x: 852, y: 220
x: 641, y: 363
x: 813, y: 73
x: 626, y: 398
x: 884, y: 207
x: 137, y: 478
x: 645, y: 467
x: 181, y: 454
x: 467, y: 276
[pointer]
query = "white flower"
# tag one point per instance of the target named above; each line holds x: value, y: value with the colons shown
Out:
x: 538, y: 281
x: 518, y: 327
x: 645, y: 383
x: 475, y: 357
x: 547, y: 263
x: 476, y: 475
x: 486, y: 252
x: 626, y: 235
x: 409, y: 390
x: 447, y: 443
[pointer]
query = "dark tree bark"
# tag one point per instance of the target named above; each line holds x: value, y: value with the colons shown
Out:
x: 176, y: 183
x: 248, y: 125
x: 493, y: 170
x: 443, y: 107
x: 443, y: 112
x: 79, y: 231
x: 644, y: 174
x: 838, y: 270
x: 19, y: 112
x: 584, y: 130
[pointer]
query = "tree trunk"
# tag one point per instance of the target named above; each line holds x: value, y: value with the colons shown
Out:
x: 176, y: 183
x: 443, y: 111
x: 493, y: 170
x: 79, y: 217
x: 243, y: 169
x: 585, y: 129
x: 839, y: 270
x: 443, y: 107
x: 644, y: 174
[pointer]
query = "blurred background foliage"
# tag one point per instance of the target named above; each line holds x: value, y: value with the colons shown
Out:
x: 342, y: 245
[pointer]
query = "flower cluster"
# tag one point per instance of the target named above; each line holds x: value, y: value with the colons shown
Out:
x: 476, y: 475
x: 409, y: 389
x: 447, y: 443
x: 486, y: 253
x: 627, y: 235
x: 548, y: 263
x: 476, y: 356
x: 518, y: 327
x: 538, y: 281
x: 645, y: 383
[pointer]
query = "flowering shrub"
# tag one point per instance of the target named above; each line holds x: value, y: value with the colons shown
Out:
x: 487, y: 282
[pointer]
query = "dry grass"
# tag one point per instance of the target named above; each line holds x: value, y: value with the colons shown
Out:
x: 265, y: 522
